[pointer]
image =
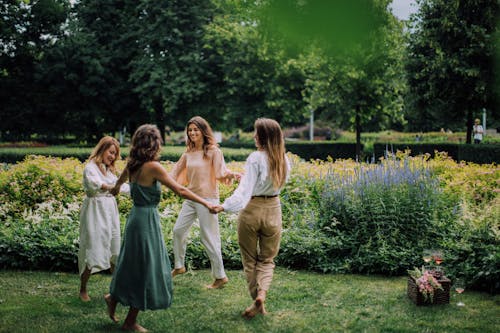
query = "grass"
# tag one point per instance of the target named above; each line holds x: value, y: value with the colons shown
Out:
x: 298, y: 302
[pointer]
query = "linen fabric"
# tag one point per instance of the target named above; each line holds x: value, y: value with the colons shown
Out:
x: 259, y: 235
x: 255, y: 182
x: 99, y: 221
x: 200, y: 174
x: 142, y: 278
x: 210, y: 235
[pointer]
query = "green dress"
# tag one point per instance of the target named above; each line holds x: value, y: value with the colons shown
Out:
x: 142, y: 277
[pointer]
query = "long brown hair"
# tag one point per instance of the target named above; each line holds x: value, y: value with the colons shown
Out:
x: 145, y: 147
x: 208, y: 135
x: 101, y: 147
x: 270, y: 138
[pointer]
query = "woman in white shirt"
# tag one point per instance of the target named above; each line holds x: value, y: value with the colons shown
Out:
x: 478, y: 131
x: 99, y: 218
x: 259, y: 222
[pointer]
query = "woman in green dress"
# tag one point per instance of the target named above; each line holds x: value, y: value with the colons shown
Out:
x: 142, y: 278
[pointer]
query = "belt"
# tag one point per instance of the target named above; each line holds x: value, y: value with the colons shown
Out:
x: 100, y: 195
x: 264, y: 196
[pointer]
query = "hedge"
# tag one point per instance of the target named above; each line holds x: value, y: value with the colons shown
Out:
x: 479, y: 153
x: 169, y: 153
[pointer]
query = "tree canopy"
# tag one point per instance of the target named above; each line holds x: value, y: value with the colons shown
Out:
x: 87, y: 68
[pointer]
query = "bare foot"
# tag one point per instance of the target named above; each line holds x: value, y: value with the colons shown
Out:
x: 135, y: 327
x: 254, y: 309
x: 178, y: 271
x: 218, y: 283
x: 111, y: 308
x: 259, y: 304
x: 84, y: 296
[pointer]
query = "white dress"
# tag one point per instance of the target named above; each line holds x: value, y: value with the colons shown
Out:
x: 99, y: 221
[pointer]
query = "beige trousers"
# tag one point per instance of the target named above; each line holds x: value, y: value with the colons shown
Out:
x: 259, y: 235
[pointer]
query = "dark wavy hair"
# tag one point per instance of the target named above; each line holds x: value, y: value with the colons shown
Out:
x: 208, y: 135
x: 146, y: 146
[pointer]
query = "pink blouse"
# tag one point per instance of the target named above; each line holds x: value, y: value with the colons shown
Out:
x: 200, y: 174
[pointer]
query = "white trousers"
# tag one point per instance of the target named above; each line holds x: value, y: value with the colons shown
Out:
x: 209, y: 232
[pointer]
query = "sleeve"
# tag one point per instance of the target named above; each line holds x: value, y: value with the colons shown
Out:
x: 179, y: 172
x: 288, y: 168
x: 125, y: 188
x: 242, y: 195
x: 91, y: 179
x: 221, y: 172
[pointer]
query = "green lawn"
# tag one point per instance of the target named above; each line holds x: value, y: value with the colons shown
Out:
x: 297, y: 302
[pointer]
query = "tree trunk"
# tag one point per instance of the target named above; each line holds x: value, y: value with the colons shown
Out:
x: 469, y: 124
x: 358, y: 134
x: 160, y: 117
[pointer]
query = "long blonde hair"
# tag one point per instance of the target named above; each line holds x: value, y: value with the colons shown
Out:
x: 208, y: 135
x: 270, y: 138
x: 101, y: 147
x: 145, y: 147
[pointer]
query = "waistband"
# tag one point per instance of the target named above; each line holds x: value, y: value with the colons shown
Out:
x: 100, y: 195
x: 264, y: 196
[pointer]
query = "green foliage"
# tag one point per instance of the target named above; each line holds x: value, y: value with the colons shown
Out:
x: 38, y: 180
x: 382, y: 216
x: 337, y: 217
x: 45, y: 237
x: 450, y: 64
x: 475, y: 252
x: 460, y: 152
x: 27, y: 29
x: 168, y: 153
x: 322, y: 150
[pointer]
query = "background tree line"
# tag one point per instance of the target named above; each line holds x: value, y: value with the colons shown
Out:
x: 91, y: 67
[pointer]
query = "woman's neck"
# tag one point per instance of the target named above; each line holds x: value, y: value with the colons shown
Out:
x: 198, y: 146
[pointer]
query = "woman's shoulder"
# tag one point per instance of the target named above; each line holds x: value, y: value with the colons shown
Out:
x: 256, y: 156
x: 149, y: 165
x: 214, y: 149
x: 90, y: 165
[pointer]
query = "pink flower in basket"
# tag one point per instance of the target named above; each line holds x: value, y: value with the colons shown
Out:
x: 426, y: 283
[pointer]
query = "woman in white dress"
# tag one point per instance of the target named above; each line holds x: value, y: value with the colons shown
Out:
x: 99, y: 218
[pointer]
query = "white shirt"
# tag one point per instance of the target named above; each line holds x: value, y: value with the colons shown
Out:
x: 93, y: 179
x: 255, y: 181
x: 478, y: 132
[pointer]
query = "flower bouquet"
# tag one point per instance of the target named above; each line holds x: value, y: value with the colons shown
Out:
x: 424, y: 288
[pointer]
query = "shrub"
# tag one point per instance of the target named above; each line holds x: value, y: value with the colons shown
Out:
x: 338, y: 216
x: 39, y: 179
x: 383, y: 215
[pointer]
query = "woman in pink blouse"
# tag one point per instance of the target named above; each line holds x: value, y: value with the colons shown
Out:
x: 199, y: 168
x: 259, y: 221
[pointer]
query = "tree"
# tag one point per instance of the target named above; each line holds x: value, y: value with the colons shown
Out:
x: 27, y: 28
x: 247, y: 77
x: 451, y: 64
x: 107, y: 27
x: 355, y: 52
x: 168, y: 69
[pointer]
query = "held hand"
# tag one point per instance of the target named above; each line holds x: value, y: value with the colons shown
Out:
x: 115, y: 190
x: 237, y: 175
x: 215, y: 209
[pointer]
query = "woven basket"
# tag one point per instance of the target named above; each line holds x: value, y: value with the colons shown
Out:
x: 440, y: 296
